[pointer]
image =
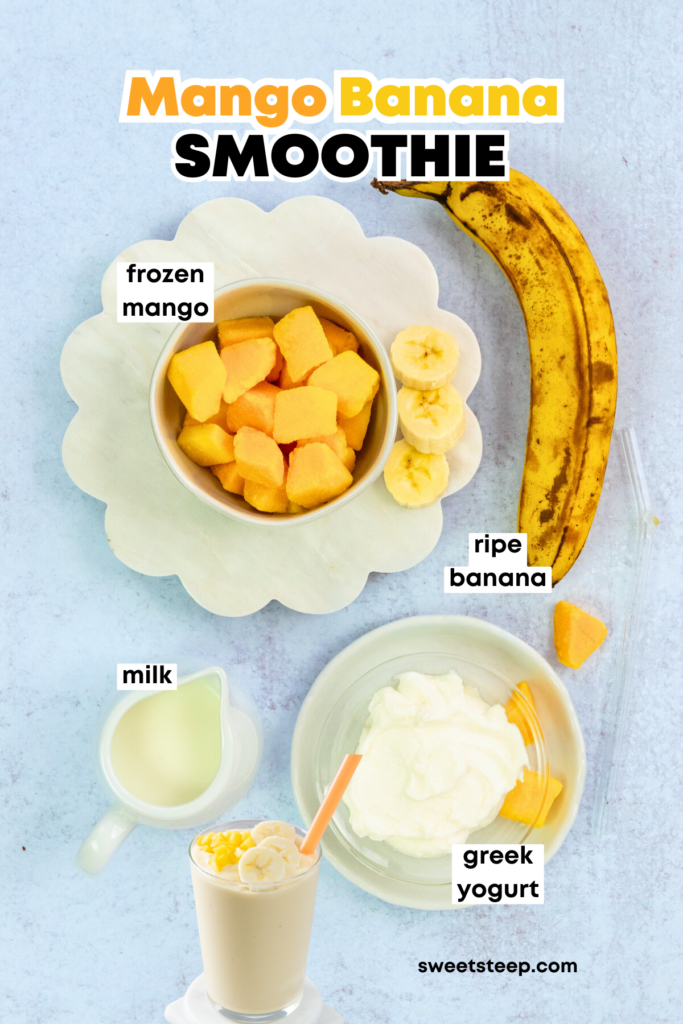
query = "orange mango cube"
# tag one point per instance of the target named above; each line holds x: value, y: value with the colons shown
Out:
x: 337, y: 443
x: 339, y: 339
x: 523, y: 802
x: 265, y: 499
x: 518, y: 714
x: 353, y: 381
x: 304, y: 412
x: 274, y: 374
x: 258, y: 458
x: 246, y: 328
x: 577, y: 634
x: 218, y: 418
x: 356, y: 427
x: 255, y: 408
x: 247, y: 363
x: 229, y: 477
x: 197, y: 376
x: 316, y: 475
x: 302, y: 342
x: 285, y: 379
x: 207, y: 444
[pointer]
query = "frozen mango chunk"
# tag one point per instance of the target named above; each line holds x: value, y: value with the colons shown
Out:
x: 218, y: 418
x: 353, y: 381
x: 229, y: 477
x: 197, y: 376
x: 302, y: 342
x: 255, y: 408
x: 295, y: 510
x: 285, y: 379
x: 518, y: 714
x: 247, y: 363
x: 337, y: 443
x: 207, y: 444
x: 340, y: 340
x: 304, y: 412
x: 274, y: 374
x: 523, y: 802
x: 246, y: 328
x: 577, y: 634
x: 356, y: 427
x: 265, y: 499
x: 316, y: 475
x: 259, y: 458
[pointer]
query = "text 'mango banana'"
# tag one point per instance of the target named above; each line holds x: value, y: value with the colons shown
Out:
x: 572, y: 348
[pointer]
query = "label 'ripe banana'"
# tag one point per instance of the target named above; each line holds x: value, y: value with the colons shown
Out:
x: 572, y: 348
x: 432, y: 421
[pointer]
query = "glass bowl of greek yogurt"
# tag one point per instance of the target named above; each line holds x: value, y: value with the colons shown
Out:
x: 424, y: 700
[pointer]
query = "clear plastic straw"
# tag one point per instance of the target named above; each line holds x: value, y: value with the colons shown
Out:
x: 617, y: 715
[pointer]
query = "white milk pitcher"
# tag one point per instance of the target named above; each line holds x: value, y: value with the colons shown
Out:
x: 178, y: 759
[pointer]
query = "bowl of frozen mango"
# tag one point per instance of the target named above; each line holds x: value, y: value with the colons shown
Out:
x: 280, y: 411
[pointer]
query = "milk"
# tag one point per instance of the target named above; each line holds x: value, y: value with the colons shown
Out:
x: 167, y: 748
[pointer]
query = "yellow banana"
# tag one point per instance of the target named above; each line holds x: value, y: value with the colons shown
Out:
x: 572, y: 348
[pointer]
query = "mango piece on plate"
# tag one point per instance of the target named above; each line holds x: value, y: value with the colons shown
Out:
x: 255, y: 408
x: 259, y: 458
x: 246, y: 328
x: 229, y: 477
x: 207, y: 444
x: 302, y: 342
x: 265, y: 499
x: 304, y: 412
x: 340, y: 340
x: 316, y: 475
x: 337, y: 443
x: 356, y: 427
x: 197, y: 376
x: 218, y: 418
x: 518, y: 714
x: 247, y: 363
x: 295, y: 510
x: 577, y: 634
x: 353, y: 381
x: 523, y: 802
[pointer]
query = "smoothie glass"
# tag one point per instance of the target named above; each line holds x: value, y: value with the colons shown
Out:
x: 254, y: 942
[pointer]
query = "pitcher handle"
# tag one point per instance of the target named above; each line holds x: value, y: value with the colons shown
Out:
x: 107, y: 834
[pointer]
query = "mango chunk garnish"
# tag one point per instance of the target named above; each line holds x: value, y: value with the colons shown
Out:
x: 523, y: 802
x: 225, y: 847
x: 577, y: 634
x: 518, y: 714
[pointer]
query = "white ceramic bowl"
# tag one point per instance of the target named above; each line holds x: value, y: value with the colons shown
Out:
x: 335, y: 710
x: 271, y: 297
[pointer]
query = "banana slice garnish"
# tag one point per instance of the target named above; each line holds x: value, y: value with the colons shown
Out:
x: 432, y: 421
x: 272, y: 828
x: 424, y: 357
x: 261, y: 865
x: 287, y: 850
x: 413, y: 478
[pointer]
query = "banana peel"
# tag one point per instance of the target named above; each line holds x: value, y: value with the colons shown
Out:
x: 572, y: 349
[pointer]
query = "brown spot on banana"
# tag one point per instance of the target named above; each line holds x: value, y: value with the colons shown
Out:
x: 572, y: 349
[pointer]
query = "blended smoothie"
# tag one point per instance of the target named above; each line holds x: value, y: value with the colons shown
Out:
x: 255, y: 896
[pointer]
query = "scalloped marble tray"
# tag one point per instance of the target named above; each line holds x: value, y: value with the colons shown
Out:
x: 156, y: 526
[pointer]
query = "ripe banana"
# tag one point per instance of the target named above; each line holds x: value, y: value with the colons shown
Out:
x: 287, y: 850
x: 432, y: 421
x: 424, y: 357
x: 414, y: 479
x: 572, y: 348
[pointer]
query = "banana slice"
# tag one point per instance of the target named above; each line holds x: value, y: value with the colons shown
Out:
x: 413, y: 478
x: 424, y: 357
x: 287, y: 850
x: 432, y: 421
x: 272, y: 828
x: 261, y: 865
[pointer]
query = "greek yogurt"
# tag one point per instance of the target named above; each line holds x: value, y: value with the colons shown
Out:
x: 437, y: 764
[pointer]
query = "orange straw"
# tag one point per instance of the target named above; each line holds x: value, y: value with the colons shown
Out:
x: 329, y: 804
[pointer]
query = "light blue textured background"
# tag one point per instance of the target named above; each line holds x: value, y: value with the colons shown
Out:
x: 77, y: 189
